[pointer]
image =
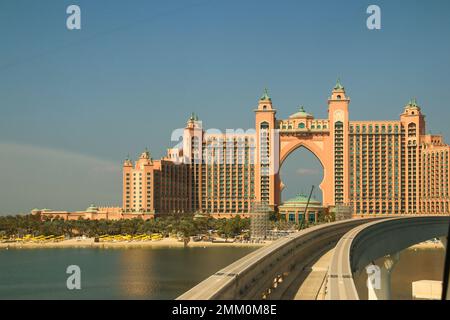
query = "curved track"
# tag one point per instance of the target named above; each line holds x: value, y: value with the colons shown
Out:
x: 268, y: 272
x: 373, y: 240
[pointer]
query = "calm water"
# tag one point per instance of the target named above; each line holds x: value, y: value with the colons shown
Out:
x: 159, y: 273
x: 414, y: 265
x: 134, y: 273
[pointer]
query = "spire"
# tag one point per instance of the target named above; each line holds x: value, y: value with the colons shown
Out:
x: 193, y: 117
x: 338, y: 85
x: 265, y: 96
x: 413, y: 103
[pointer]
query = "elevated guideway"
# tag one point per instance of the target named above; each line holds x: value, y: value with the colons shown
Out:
x: 368, y: 242
x: 268, y: 272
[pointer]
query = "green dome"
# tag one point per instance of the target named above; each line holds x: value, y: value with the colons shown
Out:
x: 413, y: 104
x: 301, y: 114
x: 301, y: 198
x: 338, y: 85
x: 300, y: 201
x: 193, y: 117
x: 265, y: 96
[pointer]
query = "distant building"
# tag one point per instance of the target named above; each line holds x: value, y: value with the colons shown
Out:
x: 180, y: 183
x: 375, y: 167
x: 293, y: 209
x: 91, y: 213
x: 151, y: 186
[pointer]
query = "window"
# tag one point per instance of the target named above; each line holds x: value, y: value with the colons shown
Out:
x: 291, y: 217
x: 264, y: 125
x: 301, y: 125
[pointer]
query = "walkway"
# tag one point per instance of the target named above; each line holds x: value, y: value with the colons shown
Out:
x: 313, y: 285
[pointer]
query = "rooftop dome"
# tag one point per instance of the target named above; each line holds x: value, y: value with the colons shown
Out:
x: 193, y: 117
x: 300, y: 198
x: 300, y: 201
x: 92, y: 208
x: 412, y: 104
x: 301, y: 114
x: 265, y: 96
x: 338, y: 85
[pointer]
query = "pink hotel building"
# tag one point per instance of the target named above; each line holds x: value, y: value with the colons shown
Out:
x: 376, y: 167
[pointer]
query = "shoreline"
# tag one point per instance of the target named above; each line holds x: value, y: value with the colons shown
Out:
x: 89, y: 243
x: 427, y: 245
x: 164, y: 243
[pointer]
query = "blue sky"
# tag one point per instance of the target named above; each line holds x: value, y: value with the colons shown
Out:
x: 71, y: 100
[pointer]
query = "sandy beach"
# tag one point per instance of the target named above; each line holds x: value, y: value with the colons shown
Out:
x: 166, y: 242
x: 427, y: 245
x: 89, y: 243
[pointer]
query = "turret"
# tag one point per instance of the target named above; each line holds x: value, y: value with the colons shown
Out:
x: 267, y: 151
x: 265, y: 102
x: 192, y: 140
x: 413, y: 120
x: 338, y: 116
x: 127, y: 162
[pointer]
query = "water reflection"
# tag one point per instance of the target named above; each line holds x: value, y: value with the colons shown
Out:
x: 134, y: 273
x: 415, y: 264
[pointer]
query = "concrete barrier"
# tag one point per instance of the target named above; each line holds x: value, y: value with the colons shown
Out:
x: 368, y: 242
x: 268, y: 271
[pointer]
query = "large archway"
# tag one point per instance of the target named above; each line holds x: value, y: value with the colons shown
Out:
x: 318, y: 146
x: 325, y: 138
x: 299, y: 172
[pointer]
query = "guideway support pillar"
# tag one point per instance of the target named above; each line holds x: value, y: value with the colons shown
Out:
x: 379, y: 278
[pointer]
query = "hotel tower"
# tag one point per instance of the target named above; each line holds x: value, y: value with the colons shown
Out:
x: 375, y: 167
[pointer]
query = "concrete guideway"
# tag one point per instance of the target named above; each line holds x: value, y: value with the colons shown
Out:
x: 314, y: 279
x: 270, y: 271
x: 368, y: 242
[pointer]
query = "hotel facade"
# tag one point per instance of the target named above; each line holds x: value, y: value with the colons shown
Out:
x: 375, y: 167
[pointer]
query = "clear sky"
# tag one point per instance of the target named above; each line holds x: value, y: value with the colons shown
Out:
x: 73, y: 104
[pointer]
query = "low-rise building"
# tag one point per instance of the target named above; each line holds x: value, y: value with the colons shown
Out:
x: 92, y: 213
x: 293, y: 209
